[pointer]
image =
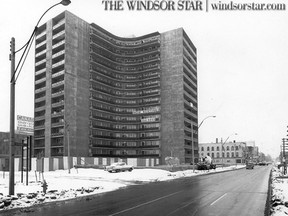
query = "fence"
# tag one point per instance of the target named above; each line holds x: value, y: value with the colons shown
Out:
x: 51, y: 164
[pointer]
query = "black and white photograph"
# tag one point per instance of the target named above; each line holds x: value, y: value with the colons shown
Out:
x: 144, y: 107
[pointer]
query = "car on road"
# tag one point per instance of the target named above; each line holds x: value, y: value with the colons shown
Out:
x: 119, y: 167
x: 263, y: 163
x: 249, y: 165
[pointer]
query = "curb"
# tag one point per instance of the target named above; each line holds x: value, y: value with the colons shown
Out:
x: 269, y: 193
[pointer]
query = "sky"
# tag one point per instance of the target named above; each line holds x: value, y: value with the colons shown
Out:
x: 242, y: 61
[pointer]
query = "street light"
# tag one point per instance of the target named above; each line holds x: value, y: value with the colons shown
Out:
x: 192, y: 136
x: 205, y: 119
x: 21, y: 62
x: 224, y: 144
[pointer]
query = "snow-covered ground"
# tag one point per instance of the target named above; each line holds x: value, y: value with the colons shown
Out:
x: 81, y: 182
x: 279, y: 193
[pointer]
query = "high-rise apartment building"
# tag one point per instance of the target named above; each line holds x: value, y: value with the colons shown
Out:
x: 100, y: 95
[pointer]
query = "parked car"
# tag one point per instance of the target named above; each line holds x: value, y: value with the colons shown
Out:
x: 201, y: 166
x: 119, y: 167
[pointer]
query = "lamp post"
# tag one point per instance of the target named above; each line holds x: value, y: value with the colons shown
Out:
x: 205, y: 119
x: 67, y: 127
x: 192, y: 141
x: 192, y: 135
x: 26, y: 48
x: 224, y: 149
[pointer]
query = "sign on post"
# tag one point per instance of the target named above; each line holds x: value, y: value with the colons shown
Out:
x: 25, y: 125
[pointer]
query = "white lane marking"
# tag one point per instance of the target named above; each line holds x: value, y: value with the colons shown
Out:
x: 145, y: 203
x: 218, y: 199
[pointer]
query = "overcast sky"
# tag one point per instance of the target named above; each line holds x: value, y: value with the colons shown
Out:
x: 242, y: 62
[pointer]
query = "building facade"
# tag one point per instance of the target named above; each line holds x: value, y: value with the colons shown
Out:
x: 229, y: 152
x: 224, y: 153
x: 100, y: 95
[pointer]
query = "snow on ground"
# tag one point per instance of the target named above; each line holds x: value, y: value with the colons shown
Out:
x: 279, y: 199
x: 81, y: 182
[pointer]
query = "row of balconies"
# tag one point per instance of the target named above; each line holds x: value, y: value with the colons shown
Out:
x: 114, y: 145
x: 124, y: 153
x: 123, y: 45
x: 117, y: 101
x: 122, y: 76
x: 126, y: 85
x: 126, y: 94
x: 138, y: 127
x: 130, y: 52
x: 111, y: 57
x: 98, y: 59
x: 124, y: 119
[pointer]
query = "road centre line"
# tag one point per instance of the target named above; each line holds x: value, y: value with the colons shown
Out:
x: 137, y: 206
x: 218, y: 199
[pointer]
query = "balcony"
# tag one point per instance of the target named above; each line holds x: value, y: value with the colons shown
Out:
x: 58, y: 93
x: 57, y: 104
x: 40, y: 71
x: 58, y: 73
x: 40, y: 35
x: 62, y: 52
x: 40, y: 62
x: 40, y: 89
x: 40, y: 80
x: 40, y: 53
x: 57, y: 114
x: 40, y: 108
x: 58, y: 44
x: 40, y: 44
x: 58, y: 83
x: 58, y: 64
x: 61, y: 33
x: 56, y: 134
x: 59, y: 24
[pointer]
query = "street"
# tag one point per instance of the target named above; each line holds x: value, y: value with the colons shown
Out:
x: 239, y: 192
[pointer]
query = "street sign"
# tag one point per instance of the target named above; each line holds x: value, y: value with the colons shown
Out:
x: 25, y: 125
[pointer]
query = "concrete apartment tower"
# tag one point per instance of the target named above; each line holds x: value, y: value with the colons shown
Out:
x: 100, y: 95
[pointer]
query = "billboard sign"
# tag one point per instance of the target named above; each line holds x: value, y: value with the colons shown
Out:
x: 25, y: 124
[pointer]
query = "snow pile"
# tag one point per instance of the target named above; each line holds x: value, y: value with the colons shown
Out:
x: 279, y: 198
x: 62, y: 185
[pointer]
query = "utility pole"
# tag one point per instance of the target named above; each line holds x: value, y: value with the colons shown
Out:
x: 68, y: 139
x: 12, y: 117
x: 284, y: 158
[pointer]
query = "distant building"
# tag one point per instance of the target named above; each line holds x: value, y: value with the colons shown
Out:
x: 101, y: 95
x: 229, y: 152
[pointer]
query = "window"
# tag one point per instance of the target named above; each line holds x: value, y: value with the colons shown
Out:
x: 202, y: 148
x: 208, y: 149
x: 227, y: 148
x: 212, y: 148
x: 217, y: 148
x: 228, y: 154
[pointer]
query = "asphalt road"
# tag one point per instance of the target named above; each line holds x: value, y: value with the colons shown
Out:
x: 234, y: 193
